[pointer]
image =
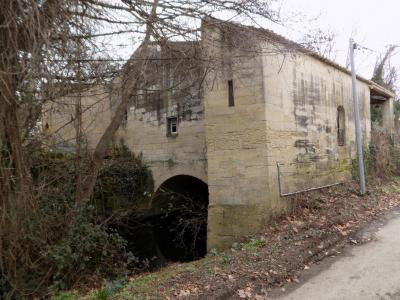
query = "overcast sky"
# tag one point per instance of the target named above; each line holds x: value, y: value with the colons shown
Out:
x: 374, y: 24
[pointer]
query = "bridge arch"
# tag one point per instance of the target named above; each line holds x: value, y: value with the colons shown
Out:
x: 180, y: 207
x: 161, y: 177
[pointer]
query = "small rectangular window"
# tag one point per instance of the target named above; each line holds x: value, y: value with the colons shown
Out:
x: 231, y: 97
x: 172, y: 126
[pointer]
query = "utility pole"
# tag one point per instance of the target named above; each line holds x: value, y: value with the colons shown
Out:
x: 360, y: 158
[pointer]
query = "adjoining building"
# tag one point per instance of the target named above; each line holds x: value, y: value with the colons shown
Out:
x: 251, y: 114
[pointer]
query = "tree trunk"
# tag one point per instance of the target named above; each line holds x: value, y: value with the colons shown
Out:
x: 131, y: 75
x: 15, y: 171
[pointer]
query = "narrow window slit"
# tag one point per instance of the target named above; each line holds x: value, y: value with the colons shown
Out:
x: 231, y: 97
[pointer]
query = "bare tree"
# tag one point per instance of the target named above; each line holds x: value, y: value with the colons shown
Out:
x: 41, y: 42
x: 320, y: 42
x: 165, y: 21
x: 384, y: 73
x: 50, y: 48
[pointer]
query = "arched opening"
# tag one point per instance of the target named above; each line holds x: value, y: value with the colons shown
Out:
x: 179, y: 225
x: 174, y: 228
x: 341, y: 126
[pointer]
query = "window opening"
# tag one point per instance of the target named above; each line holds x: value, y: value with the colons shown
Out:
x: 231, y: 97
x: 172, y: 126
x: 341, y: 131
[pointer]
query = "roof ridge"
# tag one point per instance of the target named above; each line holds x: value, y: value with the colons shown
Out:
x: 287, y: 42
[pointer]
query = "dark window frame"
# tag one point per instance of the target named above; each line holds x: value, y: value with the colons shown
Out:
x: 172, y: 126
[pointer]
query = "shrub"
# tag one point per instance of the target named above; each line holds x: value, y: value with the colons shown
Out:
x: 56, y: 242
x: 84, y: 248
x: 381, y: 158
x: 122, y: 184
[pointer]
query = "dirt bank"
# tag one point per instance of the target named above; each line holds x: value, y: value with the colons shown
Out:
x: 322, y: 222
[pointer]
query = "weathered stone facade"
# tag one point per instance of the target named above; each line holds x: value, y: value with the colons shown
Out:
x: 264, y: 102
x: 60, y: 122
x: 286, y: 110
x: 171, y: 92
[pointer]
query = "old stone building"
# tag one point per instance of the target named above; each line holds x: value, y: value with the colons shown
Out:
x: 252, y: 115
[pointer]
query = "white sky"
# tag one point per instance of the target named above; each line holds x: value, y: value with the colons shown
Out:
x: 372, y: 23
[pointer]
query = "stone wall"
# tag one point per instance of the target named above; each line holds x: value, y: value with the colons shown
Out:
x: 302, y: 96
x: 167, y: 156
x: 236, y: 138
x: 60, y: 117
x: 171, y: 88
x: 285, y: 112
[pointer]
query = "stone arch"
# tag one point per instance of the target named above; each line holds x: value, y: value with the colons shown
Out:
x: 180, y: 209
x: 160, y: 178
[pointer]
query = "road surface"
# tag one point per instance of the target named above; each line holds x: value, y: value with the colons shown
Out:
x: 367, y: 271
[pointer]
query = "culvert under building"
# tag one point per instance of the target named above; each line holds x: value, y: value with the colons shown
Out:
x: 180, y: 227
x: 176, y: 228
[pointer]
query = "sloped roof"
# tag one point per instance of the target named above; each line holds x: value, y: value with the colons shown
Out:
x: 267, y: 33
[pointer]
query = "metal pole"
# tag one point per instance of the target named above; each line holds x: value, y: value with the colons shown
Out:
x: 357, y: 120
x: 279, y: 178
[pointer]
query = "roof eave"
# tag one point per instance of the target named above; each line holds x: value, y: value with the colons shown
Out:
x: 281, y: 39
x: 380, y: 89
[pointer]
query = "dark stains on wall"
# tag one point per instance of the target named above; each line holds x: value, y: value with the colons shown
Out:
x: 312, y: 106
x: 172, y: 85
x: 307, y: 151
x: 306, y: 99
